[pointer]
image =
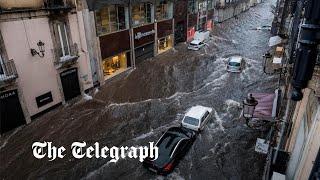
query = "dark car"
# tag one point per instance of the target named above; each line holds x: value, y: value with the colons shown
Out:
x: 173, y: 145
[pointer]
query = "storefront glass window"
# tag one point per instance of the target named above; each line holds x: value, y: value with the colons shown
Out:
x: 110, y: 19
x: 114, y: 65
x: 141, y: 14
x: 164, y: 44
x: 164, y: 9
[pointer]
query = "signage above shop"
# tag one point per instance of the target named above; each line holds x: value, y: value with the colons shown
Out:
x: 140, y: 35
x: 8, y: 94
x: 44, y: 99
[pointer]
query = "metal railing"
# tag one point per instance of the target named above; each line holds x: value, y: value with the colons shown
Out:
x: 66, y: 54
x: 8, y: 71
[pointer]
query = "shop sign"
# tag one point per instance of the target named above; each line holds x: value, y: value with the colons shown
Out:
x: 140, y: 35
x: 8, y: 94
x: 44, y: 99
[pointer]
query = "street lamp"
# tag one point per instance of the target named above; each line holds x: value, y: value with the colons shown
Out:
x: 249, y: 105
x: 40, y: 45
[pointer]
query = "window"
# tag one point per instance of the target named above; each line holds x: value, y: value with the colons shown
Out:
x: 141, y: 14
x: 165, y: 44
x: 164, y: 9
x: 111, y: 18
x: 192, y: 121
x: 63, y: 41
x: 192, y: 6
x: 204, y: 116
x: 210, y: 4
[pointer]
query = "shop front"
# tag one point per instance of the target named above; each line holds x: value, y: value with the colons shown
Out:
x: 10, y: 111
x: 165, y: 36
x: 144, y: 42
x: 115, y: 53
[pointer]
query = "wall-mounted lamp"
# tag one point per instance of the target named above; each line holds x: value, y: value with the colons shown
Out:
x: 40, y: 45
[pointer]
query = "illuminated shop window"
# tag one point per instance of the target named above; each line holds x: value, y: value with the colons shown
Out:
x: 111, y: 19
x: 114, y: 65
x: 164, y: 44
x: 142, y: 14
x: 164, y: 9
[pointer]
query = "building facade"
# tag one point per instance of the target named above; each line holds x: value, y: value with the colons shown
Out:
x: 44, y: 58
x: 297, y: 141
x: 128, y: 32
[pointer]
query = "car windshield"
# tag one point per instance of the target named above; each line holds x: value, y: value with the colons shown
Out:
x: 191, y: 120
x: 234, y: 64
x: 193, y: 44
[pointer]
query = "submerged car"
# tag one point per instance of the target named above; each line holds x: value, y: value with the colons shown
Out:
x: 235, y: 64
x: 173, y: 145
x: 196, y: 118
x: 196, y: 45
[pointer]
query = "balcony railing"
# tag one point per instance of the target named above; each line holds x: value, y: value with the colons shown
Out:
x: 8, y: 72
x: 66, y: 56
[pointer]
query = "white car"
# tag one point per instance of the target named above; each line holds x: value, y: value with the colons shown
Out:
x: 196, y: 118
x: 196, y: 45
x: 235, y: 64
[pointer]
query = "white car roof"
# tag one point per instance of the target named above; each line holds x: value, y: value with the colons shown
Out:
x: 197, y: 111
x: 235, y: 59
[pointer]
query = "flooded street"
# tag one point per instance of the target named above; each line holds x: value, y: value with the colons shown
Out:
x: 137, y: 106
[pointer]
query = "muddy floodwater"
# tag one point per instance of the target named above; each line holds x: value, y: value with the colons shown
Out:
x: 137, y: 106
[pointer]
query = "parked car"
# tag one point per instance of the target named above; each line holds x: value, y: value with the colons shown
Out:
x: 196, y: 118
x: 173, y: 145
x: 235, y: 64
x: 200, y: 37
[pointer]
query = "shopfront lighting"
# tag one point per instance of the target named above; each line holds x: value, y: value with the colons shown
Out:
x: 40, y: 45
x: 249, y: 105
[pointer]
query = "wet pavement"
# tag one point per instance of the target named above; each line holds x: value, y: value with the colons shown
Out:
x: 137, y: 106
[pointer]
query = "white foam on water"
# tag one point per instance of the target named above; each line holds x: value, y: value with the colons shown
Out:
x: 230, y: 102
x: 142, y: 136
x: 87, y: 97
x: 5, y: 142
x: 218, y: 120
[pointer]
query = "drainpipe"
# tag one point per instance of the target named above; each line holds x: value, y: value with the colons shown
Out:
x: 307, y: 52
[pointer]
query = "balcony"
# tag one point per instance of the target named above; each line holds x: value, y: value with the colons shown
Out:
x: 65, y: 57
x: 8, y: 72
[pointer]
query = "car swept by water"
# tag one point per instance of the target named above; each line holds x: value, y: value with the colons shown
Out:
x: 196, y: 118
x: 173, y: 145
x: 235, y: 64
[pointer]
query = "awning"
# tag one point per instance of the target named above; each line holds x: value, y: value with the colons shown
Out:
x: 98, y: 4
x: 267, y: 105
x: 275, y: 40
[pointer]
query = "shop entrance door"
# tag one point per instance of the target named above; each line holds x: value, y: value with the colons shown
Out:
x: 144, y: 52
x: 70, y: 83
x: 10, y: 111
